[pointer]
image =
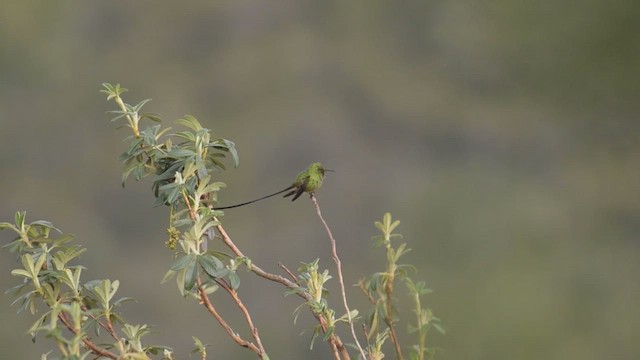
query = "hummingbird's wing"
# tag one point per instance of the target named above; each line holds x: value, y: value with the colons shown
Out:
x: 295, y: 190
x: 301, y: 189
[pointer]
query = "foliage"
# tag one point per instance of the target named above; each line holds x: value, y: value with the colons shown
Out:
x: 79, y: 314
x: 380, y: 288
x: 88, y: 311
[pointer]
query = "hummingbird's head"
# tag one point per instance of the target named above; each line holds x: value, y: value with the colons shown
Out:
x: 318, y: 168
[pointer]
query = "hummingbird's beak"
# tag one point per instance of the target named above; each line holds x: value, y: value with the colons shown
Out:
x: 329, y: 170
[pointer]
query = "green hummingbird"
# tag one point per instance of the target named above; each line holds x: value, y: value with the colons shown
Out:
x: 306, y: 181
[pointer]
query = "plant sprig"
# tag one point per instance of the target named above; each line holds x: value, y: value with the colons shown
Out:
x: 380, y: 290
x: 73, y: 309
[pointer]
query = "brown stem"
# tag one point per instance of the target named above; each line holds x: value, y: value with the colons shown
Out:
x: 367, y: 293
x: 387, y: 320
x: 245, y: 312
x: 212, y: 310
x: 337, y: 346
x: 336, y: 259
x: 388, y: 316
x: 254, y: 268
x: 107, y: 326
x: 87, y: 341
x: 394, y: 340
x: 366, y: 337
x: 192, y: 213
x: 293, y: 277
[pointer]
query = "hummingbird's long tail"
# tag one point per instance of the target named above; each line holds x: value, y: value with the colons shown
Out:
x: 252, y: 201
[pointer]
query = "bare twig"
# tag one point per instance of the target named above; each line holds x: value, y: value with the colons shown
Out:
x: 336, y: 259
x: 254, y: 268
x: 293, y: 277
x: 245, y: 312
x: 394, y: 335
x: 107, y: 325
x: 387, y: 317
x: 337, y: 346
x: 212, y: 310
x: 87, y: 341
x: 367, y: 293
x: 192, y: 212
x: 366, y: 337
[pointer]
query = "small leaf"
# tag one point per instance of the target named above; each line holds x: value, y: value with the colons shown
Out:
x: 183, y: 262
x: 234, y: 280
x: 234, y: 153
x: 20, y: 272
x: 168, y: 276
x: 211, y: 265
x: 191, y: 275
x: 440, y: 329
x: 152, y: 117
x: 46, y: 224
x: 190, y: 122
x: 19, y: 219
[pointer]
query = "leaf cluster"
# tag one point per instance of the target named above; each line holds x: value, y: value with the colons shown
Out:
x: 74, y: 313
x: 312, y: 282
x: 182, y: 164
x: 380, y: 290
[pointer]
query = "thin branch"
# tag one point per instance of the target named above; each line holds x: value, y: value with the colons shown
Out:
x: 394, y: 339
x: 87, y: 341
x: 366, y: 293
x: 192, y: 212
x: 245, y: 312
x: 107, y: 326
x: 335, y: 343
x: 394, y: 336
x: 336, y: 259
x: 387, y: 318
x: 212, y: 310
x: 388, y: 293
x: 293, y: 277
x: 254, y: 268
x: 366, y: 337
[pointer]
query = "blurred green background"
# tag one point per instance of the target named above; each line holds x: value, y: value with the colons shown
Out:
x: 504, y: 136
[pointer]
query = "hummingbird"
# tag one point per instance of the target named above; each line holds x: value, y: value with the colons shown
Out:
x: 308, y: 181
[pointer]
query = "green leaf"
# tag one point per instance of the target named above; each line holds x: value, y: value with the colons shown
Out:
x: 136, y: 108
x: 211, y: 265
x: 190, y: 122
x: 439, y: 328
x: 19, y: 219
x: 182, y: 262
x: 63, y: 239
x: 168, y: 276
x: 231, y: 146
x: 37, y: 326
x: 112, y: 91
x: 181, y: 153
x: 186, y: 135
x: 191, y: 275
x: 152, y: 117
x: 123, y: 300
x: 46, y: 224
x: 20, y: 272
x: 4, y: 225
x: 234, y: 280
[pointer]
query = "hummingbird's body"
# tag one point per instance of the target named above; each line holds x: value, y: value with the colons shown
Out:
x: 307, y: 181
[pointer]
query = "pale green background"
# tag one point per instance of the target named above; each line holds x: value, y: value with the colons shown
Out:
x: 504, y: 135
